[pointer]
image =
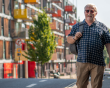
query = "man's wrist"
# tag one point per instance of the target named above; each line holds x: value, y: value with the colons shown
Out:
x: 74, y: 38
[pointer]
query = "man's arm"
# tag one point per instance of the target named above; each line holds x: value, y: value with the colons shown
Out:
x: 72, y: 39
x: 108, y: 48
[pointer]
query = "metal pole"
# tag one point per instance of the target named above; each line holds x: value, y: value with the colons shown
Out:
x: 49, y: 70
x: 19, y: 67
x: 71, y: 64
x: 41, y: 70
x: 37, y: 66
x: 76, y: 8
x: 64, y: 34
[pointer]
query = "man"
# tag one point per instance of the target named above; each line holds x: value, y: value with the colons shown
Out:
x: 35, y: 70
x: 90, y: 46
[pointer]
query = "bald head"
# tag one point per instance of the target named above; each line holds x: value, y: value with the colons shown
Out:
x: 91, y: 5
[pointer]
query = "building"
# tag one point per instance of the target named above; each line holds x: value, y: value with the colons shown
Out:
x: 16, y: 18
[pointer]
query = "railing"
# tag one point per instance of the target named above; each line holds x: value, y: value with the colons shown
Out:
x: 69, y: 20
x: 51, y: 10
x: 57, y: 1
x: 59, y: 55
x: 23, y: 33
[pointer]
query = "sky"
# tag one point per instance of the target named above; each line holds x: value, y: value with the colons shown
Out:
x: 103, y: 8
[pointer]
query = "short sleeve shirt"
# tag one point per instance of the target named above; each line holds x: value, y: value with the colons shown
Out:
x: 91, y: 44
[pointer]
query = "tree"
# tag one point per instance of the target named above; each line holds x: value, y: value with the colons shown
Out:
x: 41, y: 43
x: 105, y: 54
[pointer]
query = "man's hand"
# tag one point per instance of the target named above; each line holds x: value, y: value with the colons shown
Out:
x: 70, y: 39
x: 77, y: 35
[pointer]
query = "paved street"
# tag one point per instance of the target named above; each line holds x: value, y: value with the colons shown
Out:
x: 35, y: 83
x: 63, y: 82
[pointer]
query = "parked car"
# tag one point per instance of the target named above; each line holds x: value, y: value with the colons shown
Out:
x: 107, y: 72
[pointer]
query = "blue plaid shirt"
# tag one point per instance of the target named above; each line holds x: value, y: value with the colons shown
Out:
x: 91, y: 44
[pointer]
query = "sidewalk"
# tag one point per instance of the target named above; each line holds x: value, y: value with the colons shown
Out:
x: 68, y: 77
x: 73, y: 77
x: 89, y: 86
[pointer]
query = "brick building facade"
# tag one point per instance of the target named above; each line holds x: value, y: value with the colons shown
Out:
x: 16, y: 16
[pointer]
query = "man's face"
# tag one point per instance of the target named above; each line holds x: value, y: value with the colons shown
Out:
x: 90, y: 13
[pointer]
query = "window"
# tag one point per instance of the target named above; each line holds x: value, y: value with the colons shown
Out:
x: 17, y: 27
x: 22, y: 6
x: 61, y: 4
x: 65, y: 27
x: 2, y: 25
x: 3, y: 6
x: 4, y: 48
x: 10, y: 7
x: 56, y: 24
x: 23, y: 26
x: 61, y: 27
x: 9, y: 27
x: 61, y: 13
x: 65, y: 16
x: 56, y: 39
x: 11, y: 49
x: 49, y: 5
x: 16, y: 6
x: 51, y: 20
x: 62, y: 41
x: 58, y: 55
x: 62, y: 56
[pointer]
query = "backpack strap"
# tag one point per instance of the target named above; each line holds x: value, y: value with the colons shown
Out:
x: 81, y: 27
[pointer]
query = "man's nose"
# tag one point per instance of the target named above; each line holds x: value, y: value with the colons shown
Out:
x: 89, y: 12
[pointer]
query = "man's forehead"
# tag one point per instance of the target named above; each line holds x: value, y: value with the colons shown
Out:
x: 90, y: 7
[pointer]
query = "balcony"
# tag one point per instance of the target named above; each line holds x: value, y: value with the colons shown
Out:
x: 23, y: 34
x: 32, y: 1
x: 54, y: 25
x: 69, y: 9
x: 69, y: 20
x: 59, y: 14
x: 73, y: 23
x: 22, y: 14
x: 52, y: 10
x: 57, y: 1
x: 54, y: 56
x: 67, y: 32
x: 57, y: 56
x: 69, y: 56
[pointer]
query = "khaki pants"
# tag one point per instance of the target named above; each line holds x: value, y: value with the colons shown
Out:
x: 84, y: 70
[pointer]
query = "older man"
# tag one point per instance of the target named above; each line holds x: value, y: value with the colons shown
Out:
x: 90, y: 59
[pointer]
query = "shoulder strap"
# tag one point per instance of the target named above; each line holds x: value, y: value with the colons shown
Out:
x: 81, y: 27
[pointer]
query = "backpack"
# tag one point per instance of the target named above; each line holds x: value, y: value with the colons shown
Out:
x: 73, y: 47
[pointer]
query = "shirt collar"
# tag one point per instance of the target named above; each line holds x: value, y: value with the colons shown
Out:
x: 94, y: 23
